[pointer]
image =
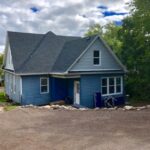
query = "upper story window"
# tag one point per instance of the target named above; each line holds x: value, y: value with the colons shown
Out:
x: 111, y: 85
x: 44, y: 85
x: 96, y: 57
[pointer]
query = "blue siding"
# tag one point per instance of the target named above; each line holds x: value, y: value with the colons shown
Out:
x: 12, y: 86
x: 58, y: 88
x: 90, y: 84
x: 62, y: 89
x: 31, y: 91
x: 71, y: 88
x: 107, y: 60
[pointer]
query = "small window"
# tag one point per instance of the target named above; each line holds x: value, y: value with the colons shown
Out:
x: 44, y: 85
x: 96, y: 57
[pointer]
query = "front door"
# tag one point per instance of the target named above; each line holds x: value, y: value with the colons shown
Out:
x: 76, y: 92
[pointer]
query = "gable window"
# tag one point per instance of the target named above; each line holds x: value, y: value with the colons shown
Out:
x: 96, y: 57
x: 111, y: 85
x: 44, y: 85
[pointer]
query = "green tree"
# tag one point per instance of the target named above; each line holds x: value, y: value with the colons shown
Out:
x: 111, y: 37
x: 95, y: 29
x: 135, y: 36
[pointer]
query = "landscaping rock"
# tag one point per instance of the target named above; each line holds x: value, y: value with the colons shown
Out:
x: 148, y: 106
x: 46, y: 106
x: 68, y: 107
x: 97, y: 108
x: 141, y: 108
x: 129, y: 108
x: 83, y: 109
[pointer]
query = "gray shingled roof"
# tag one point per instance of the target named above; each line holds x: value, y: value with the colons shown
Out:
x: 45, y: 53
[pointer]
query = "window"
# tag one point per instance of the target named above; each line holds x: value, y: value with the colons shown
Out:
x: 104, y: 86
x: 96, y: 57
x: 118, y: 85
x: 111, y: 85
x: 44, y: 85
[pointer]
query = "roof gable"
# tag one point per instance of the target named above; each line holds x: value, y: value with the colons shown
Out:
x: 21, y: 45
x: 8, y: 59
x: 107, y: 61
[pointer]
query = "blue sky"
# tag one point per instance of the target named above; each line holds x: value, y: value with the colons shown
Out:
x: 66, y: 17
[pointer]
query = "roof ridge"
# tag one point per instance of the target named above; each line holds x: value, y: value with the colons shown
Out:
x: 69, y: 36
x: 16, y: 32
x: 33, y: 51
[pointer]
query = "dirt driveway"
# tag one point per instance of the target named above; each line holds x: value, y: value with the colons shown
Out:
x: 42, y: 129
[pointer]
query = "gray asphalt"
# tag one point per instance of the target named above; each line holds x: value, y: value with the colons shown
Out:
x: 43, y: 129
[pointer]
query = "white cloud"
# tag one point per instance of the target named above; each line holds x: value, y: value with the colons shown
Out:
x: 68, y: 17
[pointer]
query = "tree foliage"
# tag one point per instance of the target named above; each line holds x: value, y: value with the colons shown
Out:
x: 135, y: 54
x: 95, y: 29
x: 111, y: 37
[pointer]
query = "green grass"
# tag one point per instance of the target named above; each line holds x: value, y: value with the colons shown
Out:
x: 6, y: 103
x: 2, y: 98
x: 10, y: 107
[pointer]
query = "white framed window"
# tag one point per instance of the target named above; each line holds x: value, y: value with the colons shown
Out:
x: 111, y: 85
x: 96, y: 57
x: 44, y: 85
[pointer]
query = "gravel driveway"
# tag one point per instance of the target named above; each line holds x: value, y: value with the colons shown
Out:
x: 43, y: 129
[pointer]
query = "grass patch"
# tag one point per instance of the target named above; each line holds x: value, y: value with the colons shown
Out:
x: 10, y: 107
x: 2, y: 97
x: 6, y: 103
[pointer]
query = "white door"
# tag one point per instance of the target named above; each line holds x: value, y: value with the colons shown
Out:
x: 76, y: 92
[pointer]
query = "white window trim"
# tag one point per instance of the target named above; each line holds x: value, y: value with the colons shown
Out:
x: 115, y: 85
x: 47, y: 85
x: 97, y: 57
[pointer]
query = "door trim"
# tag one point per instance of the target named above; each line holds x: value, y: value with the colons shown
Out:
x: 75, y: 92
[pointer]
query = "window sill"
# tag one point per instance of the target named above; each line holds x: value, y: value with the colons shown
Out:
x: 112, y: 94
x: 44, y: 92
x: 97, y: 65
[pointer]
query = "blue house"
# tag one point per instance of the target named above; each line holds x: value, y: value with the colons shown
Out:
x: 41, y: 68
